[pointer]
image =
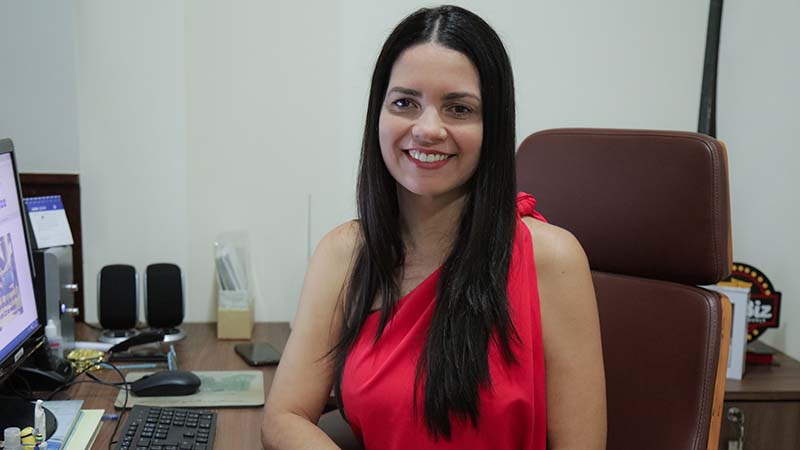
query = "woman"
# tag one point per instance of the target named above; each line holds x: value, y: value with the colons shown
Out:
x: 432, y: 316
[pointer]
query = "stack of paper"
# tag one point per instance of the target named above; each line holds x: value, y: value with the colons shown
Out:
x: 230, y: 269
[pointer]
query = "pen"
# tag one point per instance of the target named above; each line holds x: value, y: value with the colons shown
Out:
x: 172, y: 358
x: 136, y: 366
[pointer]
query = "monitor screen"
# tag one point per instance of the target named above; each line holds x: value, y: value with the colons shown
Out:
x: 18, y: 317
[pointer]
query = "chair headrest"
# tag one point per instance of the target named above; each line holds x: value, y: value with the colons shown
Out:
x: 653, y: 204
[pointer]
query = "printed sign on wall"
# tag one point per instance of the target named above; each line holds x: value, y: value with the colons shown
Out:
x: 763, y: 307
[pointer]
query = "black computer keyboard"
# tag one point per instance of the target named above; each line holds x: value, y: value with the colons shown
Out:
x: 152, y: 428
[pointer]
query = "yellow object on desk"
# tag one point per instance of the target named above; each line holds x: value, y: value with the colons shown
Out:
x: 28, y: 439
x: 82, y: 359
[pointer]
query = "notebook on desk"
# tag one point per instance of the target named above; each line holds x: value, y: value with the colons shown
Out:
x: 218, y: 389
x: 85, y: 431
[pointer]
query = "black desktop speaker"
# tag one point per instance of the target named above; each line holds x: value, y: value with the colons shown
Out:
x: 164, y: 301
x: 117, y: 292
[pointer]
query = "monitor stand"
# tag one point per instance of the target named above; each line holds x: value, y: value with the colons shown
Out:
x: 19, y: 413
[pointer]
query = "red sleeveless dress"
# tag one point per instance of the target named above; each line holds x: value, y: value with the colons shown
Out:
x: 378, y: 378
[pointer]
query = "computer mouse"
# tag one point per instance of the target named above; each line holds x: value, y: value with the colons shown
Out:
x: 166, y: 383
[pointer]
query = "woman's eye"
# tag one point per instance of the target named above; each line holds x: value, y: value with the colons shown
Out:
x: 460, y: 110
x: 402, y: 103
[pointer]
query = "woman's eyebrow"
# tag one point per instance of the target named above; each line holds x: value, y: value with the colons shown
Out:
x: 418, y: 94
x: 405, y: 91
x: 459, y: 95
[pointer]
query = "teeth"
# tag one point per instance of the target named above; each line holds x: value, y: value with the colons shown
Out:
x: 419, y: 156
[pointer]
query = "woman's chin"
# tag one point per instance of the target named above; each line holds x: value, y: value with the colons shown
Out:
x: 431, y: 191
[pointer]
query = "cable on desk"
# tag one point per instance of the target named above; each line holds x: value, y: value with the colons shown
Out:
x: 11, y: 387
x: 72, y: 380
x: 28, y: 394
x: 98, y: 327
x: 119, y: 385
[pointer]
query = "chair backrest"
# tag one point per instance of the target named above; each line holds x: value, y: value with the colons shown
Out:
x: 651, y: 209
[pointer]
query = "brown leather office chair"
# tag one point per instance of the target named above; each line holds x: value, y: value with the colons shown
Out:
x: 651, y: 209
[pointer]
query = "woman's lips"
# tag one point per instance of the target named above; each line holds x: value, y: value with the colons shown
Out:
x: 428, y: 165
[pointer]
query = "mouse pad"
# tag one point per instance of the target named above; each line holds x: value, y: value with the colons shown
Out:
x: 217, y: 389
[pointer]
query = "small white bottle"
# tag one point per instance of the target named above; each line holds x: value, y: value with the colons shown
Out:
x: 11, y: 439
x: 53, y: 339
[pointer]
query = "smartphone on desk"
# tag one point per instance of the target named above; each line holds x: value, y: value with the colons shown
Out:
x: 258, y: 353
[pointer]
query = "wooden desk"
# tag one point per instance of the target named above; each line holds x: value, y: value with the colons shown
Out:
x: 199, y: 351
x: 769, y: 397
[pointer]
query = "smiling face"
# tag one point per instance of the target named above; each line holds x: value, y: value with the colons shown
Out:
x: 430, y: 127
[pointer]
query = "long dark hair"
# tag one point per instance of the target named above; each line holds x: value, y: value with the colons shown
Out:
x: 472, y: 303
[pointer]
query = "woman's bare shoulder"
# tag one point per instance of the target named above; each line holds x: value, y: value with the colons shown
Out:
x: 554, y: 247
x: 335, y: 256
x: 325, y: 282
x: 343, y: 240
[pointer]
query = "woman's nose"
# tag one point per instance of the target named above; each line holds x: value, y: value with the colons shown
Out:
x: 429, y: 127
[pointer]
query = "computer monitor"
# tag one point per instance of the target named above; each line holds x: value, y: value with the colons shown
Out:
x: 20, y: 331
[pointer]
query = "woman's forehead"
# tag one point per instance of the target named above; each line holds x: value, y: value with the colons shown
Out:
x: 429, y: 66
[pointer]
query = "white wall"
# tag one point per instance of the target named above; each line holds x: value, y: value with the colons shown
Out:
x: 617, y: 63
x: 132, y: 129
x: 201, y: 117
x: 261, y: 121
x: 38, y: 110
x: 758, y: 119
